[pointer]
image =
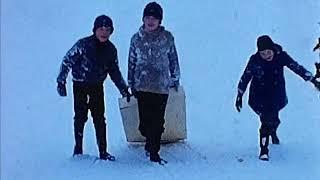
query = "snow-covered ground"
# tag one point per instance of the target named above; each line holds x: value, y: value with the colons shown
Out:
x: 214, y: 40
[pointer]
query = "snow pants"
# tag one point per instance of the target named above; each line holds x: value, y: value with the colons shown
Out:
x: 152, y: 108
x: 89, y: 97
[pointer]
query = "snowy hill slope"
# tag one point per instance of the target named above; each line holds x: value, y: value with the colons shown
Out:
x: 214, y: 41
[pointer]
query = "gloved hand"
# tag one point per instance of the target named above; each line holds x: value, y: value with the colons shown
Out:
x: 239, y: 102
x: 315, y: 83
x: 126, y: 93
x: 134, y: 92
x: 317, y: 46
x: 175, y: 85
x: 61, y: 88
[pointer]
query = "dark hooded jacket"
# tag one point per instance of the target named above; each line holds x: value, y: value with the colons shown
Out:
x: 267, y: 89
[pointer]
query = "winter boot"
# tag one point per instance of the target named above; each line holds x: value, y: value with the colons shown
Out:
x: 100, y: 127
x: 264, y: 142
x: 78, y: 135
x: 78, y: 146
x: 275, y: 139
x: 264, y: 154
x: 155, y: 157
x: 106, y: 156
x: 77, y: 150
x: 155, y: 148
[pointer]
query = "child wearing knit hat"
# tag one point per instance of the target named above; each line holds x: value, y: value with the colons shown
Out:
x: 267, y: 94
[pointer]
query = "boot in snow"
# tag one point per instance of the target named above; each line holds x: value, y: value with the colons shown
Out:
x: 154, y: 157
x: 77, y: 150
x: 106, y: 156
x: 264, y: 155
x: 275, y: 139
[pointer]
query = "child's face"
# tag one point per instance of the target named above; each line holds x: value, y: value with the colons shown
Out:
x: 150, y: 23
x: 267, y: 54
x: 103, y: 33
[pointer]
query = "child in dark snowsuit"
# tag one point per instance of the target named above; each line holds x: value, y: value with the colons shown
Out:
x: 91, y: 59
x: 267, y: 94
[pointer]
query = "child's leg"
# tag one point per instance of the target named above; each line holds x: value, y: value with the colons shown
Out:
x: 145, y: 114
x: 274, y: 124
x: 80, y: 115
x: 97, y: 108
x: 157, y: 123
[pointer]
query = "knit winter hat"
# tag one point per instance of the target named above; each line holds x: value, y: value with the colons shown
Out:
x: 102, y: 21
x: 265, y: 42
x: 153, y: 9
